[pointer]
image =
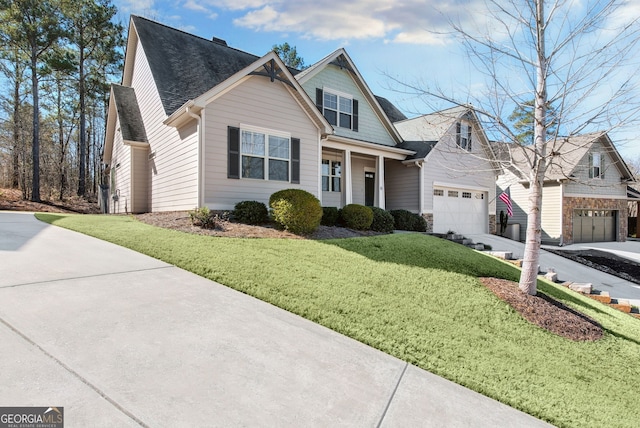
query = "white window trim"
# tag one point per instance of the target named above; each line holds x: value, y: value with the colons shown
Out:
x: 339, y: 94
x: 267, y: 133
x: 331, y: 176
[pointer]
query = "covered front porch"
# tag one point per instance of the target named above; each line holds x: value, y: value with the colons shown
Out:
x: 354, y: 172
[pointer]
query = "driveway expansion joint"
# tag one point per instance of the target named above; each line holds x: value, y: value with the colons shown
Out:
x: 73, y: 373
x: 72, y: 278
x: 393, y: 394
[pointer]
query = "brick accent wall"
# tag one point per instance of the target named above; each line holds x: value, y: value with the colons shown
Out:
x: 429, y: 219
x: 571, y: 204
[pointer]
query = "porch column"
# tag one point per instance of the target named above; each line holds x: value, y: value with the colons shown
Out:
x: 381, y: 191
x: 348, y: 190
x: 637, y: 220
x: 421, y: 187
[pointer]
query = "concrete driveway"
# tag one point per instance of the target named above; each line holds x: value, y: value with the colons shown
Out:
x: 569, y: 270
x: 121, y: 339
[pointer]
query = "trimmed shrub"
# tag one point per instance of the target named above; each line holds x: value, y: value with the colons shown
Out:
x: 329, y: 216
x: 203, y: 217
x: 382, y: 220
x: 250, y: 212
x: 406, y: 220
x: 357, y: 216
x: 296, y: 210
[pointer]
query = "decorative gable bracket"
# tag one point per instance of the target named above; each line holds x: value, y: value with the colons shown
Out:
x: 272, y: 72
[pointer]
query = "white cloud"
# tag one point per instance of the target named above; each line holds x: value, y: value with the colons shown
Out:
x: 193, y: 5
x: 401, y: 21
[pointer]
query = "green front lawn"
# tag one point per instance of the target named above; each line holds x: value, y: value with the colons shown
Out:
x: 418, y: 298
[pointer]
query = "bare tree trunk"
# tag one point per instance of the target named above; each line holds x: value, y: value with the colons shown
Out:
x: 35, y: 149
x: 529, y: 275
x: 15, y: 176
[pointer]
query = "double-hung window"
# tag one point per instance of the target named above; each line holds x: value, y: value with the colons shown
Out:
x: 338, y: 108
x: 596, y: 165
x: 463, y: 135
x: 331, y: 175
x: 262, y: 154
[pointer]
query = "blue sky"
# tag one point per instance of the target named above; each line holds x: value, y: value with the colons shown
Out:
x: 405, y: 39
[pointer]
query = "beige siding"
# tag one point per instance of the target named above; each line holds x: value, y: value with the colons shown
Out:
x: 447, y: 164
x: 139, y: 180
x: 369, y: 126
x: 174, y: 176
x: 334, y: 199
x: 260, y: 103
x: 551, y: 214
x: 121, y: 161
x: 358, y: 166
x: 402, y: 186
x: 519, y: 201
x: 607, y: 187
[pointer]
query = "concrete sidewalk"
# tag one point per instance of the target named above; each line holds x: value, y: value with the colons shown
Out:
x: 569, y: 270
x: 121, y: 339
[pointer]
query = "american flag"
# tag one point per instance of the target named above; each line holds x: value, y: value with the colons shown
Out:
x: 506, y: 198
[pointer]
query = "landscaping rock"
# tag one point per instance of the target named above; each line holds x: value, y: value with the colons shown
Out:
x: 505, y: 255
x: 622, y: 305
x: 551, y: 276
x: 603, y: 297
x: 581, y: 287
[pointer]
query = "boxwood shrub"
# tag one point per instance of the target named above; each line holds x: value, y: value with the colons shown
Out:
x: 406, y: 220
x: 250, y: 212
x: 356, y: 216
x: 382, y: 220
x: 296, y: 210
x: 329, y: 216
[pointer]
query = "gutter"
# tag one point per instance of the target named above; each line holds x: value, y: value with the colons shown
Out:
x: 198, y: 119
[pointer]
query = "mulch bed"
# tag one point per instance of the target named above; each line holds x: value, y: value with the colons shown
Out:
x: 603, y: 261
x: 545, y: 312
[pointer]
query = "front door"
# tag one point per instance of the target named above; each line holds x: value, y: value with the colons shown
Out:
x: 369, y: 188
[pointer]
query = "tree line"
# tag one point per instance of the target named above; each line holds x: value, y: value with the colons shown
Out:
x: 56, y: 58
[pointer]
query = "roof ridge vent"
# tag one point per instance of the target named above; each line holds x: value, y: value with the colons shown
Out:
x: 219, y: 41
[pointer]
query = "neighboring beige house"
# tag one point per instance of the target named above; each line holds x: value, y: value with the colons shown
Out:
x: 450, y: 179
x: 197, y: 123
x: 584, y: 197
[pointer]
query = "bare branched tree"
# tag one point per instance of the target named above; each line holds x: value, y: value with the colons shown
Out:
x: 573, y: 55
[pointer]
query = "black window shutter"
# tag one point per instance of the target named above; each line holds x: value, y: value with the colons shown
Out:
x: 355, y: 115
x: 602, y: 165
x: 319, y: 99
x: 591, y: 165
x: 469, y: 138
x: 458, y: 133
x: 233, y: 152
x: 295, y: 160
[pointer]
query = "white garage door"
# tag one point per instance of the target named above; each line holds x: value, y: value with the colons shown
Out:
x: 458, y: 210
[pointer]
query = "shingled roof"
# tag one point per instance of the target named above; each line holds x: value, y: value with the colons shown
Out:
x: 390, y: 110
x: 126, y: 103
x: 185, y: 66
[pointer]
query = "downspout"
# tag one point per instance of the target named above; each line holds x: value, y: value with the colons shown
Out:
x: 200, y: 157
x: 420, y: 165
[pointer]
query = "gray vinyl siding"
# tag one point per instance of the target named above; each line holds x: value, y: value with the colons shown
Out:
x: 369, y: 126
x: 260, y: 103
x: 447, y: 164
x: 607, y: 187
x: 174, y: 169
x: 357, y: 173
x: 121, y: 161
x: 402, y: 186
